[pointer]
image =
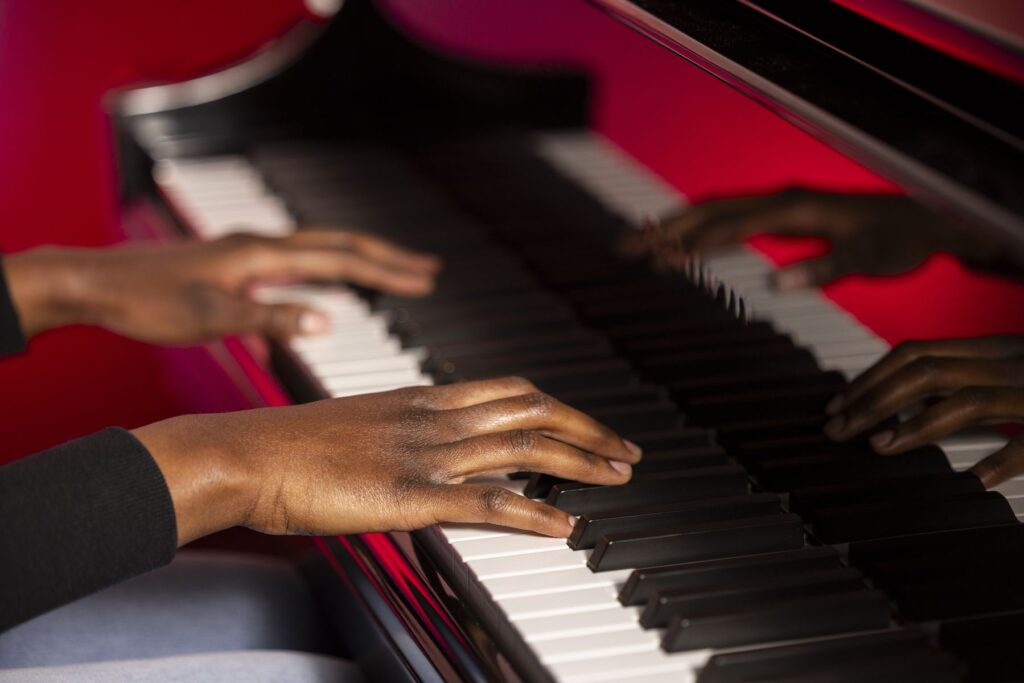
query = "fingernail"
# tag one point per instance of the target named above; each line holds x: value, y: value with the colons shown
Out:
x: 834, y: 427
x: 572, y: 520
x: 621, y: 467
x: 882, y: 439
x: 833, y: 406
x: 795, y: 278
x: 312, y: 322
x: 633, y: 448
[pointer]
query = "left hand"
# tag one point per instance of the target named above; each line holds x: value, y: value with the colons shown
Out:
x: 195, y: 291
x: 978, y: 381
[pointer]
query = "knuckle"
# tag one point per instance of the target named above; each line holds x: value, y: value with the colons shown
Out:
x: 909, y: 350
x: 972, y: 398
x: 518, y: 384
x: 494, y: 501
x: 537, y: 402
x: 521, y: 441
x: 927, y: 369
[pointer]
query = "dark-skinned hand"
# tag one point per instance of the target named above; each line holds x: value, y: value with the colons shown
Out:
x: 396, y: 460
x: 189, y: 292
x: 966, y: 382
x: 873, y: 234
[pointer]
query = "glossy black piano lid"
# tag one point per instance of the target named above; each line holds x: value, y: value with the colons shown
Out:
x: 949, y: 132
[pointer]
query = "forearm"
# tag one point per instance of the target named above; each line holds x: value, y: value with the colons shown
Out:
x: 211, y: 489
x: 48, y: 288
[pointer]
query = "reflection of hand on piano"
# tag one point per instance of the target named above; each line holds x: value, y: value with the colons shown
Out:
x: 395, y: 460
x: 980, y: 381
x: 189, y: 292
x: 871, y: 234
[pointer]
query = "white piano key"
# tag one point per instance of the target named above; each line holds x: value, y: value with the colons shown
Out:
x: 676, y: 667
x: 531, y: 563
x: 613, y: 644
x: 516, y: 544
x: 402, y: 361
x: 614, y: 617
x: 370, y: 380
x: 457, y: 533
x: 548, y: 583
x: 331, y: 354
x: 570, y: 602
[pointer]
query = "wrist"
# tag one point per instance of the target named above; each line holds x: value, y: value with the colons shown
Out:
x: 211, y: 486
x: 47, y: 288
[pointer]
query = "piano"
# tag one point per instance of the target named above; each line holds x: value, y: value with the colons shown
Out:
x: 746, y: 547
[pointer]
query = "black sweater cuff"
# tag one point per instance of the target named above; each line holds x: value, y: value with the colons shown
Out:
x: 12, y: 340
x: 77, y: 518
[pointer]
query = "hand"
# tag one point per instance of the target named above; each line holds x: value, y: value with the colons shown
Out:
x: 396, y: 460
x: 978, y: 381
x: 870, y: 234
x: 194, y: 291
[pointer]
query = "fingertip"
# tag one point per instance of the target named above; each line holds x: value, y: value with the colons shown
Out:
x: 313, y: 322
x: 834, y: 428
x: 883, y: 441
x: 633, y: 448
x: 835, y: 405
x: 792, y: 279
x: 623, y: 468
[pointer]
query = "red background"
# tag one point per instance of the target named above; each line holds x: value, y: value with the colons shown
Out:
x: 59, y: 59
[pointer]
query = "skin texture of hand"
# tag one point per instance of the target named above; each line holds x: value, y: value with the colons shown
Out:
x: 975, y: 381
x: 870, y: 234
x: 395, y: 460
x: 195, y: 291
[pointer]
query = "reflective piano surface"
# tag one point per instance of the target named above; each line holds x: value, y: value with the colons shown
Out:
x: 746, y: 548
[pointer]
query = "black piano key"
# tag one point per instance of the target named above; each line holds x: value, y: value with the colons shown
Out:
x: 898, y: 518
x: 592, y: 526
x: 792, y: 473
x: 736, y: 436
x: 428, y: 333
x: 640, y: 418
x: 513, y: 362
x: 807, y: 500
x: 697, y: 541
x: 763, y: 379
x: 983, y: 590
x: 834, y: 653
x: 515, y: 344
x: 744, y: 408
x: 740, y: 337
x: 674, y: 439
x: 990, y: 645
x: 916, y: 667
x: 675, y: 367
x: 766, y: 589
x: 798, y: 618
x: 611, y: 397
x: 936, y: 547
x: 651, y: 489
x: 540, y: 485
x: 711, y: 574
x: 581, y: 375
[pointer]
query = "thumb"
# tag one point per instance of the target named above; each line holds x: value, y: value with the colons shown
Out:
x: 281, y: 321
x: 810, y: 273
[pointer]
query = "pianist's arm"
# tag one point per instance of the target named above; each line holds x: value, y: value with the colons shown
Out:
x: 98, y: 510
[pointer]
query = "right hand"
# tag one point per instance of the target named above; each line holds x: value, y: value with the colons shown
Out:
x: 396, y: 460
x: 873, y: 234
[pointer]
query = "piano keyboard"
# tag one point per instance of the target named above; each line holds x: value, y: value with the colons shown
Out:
x: 737, y: 586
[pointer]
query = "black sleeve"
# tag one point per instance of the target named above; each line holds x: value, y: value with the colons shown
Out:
x: 11, y: 338
x: 77, y: 518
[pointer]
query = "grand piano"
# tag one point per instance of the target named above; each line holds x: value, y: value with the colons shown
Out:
x: 747, y: 547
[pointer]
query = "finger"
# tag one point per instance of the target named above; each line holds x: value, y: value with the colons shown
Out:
x: 966, y: 407
x: 999, y: 346
x: 811, y: 273
x: 464, y: 394
x: 552, y: 418
x: 323, y: 264
x: 732, y: 221
x: 279, y: 321
x: 383, y: 251
x: 522, y: 450
x: 1003, y: 465
x: 478, y: 503
x: 924, y: 377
